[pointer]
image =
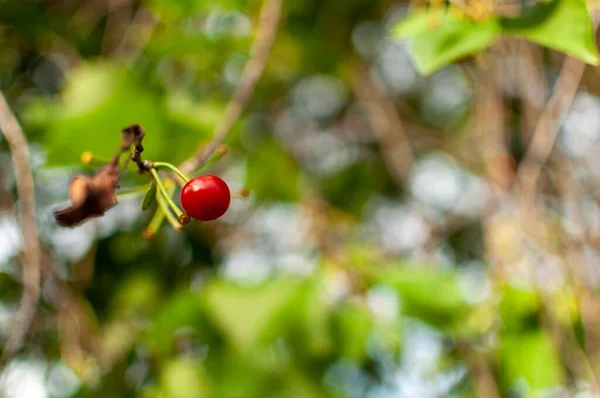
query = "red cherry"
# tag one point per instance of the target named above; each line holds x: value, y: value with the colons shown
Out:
x: 205, y: 198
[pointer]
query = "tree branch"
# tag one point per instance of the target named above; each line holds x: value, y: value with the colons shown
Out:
x: 546, y: 130
x: 26, y: 211
x: 386, y: 125
x: 547, y: 127
x: 270, y: 15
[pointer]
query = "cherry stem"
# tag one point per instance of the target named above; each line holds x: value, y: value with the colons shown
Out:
x: 241, y: 193
x: 158, y: 165
x: 165, y: 210
x: 155, y: 223
x: 141, y: 188
x: 165, y: 194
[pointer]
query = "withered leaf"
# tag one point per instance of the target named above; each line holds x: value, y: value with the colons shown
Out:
x: 91, y: 196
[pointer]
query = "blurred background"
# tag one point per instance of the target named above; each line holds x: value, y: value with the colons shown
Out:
x: 405, y: 236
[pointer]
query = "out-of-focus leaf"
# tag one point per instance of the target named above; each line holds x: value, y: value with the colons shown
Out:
x: 231, y: 307
x: 430, y: 294
x: 454, y: 39
x: 350, y: 189
x: 243, y: 376
x: 517, y: 304
x: 563, y: 25
x: 272, y: 174
x: 98, y: 102
x: 176, y: 9
x: 532, y: 356
x: 117, y: 339
x: 150, y: 391
x: 316, y: 318
x: 286, y: 56
x: 182, y: 310
x: 442, y: 37
x: 184, y: 378
x: 183, y: 109
x: 565, y: 306
x: 298, y: 385
x: 137, y: 294
x: 101, y: 99
x: 149, y: 197
x: 176, y: 43
x: 353, y: 326
x: 418, y: 22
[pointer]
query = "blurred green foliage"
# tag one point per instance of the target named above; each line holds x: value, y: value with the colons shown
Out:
x: 166, y: 317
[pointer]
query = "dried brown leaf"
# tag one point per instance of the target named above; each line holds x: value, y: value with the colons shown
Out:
x: 91, y: 196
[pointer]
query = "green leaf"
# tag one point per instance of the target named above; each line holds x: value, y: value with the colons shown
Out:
x: 149, y: 197
x: 429, y: 294
x: 533, y: 357
x: 99, y: 100
x: 187, y: 111
x: 182, y: 310
x: 315, y: 318
x: 231, y: 308
x: 418, y: 22
x: 184, y: 378
x: 517, y: 305
x: 563, y: 25
x: 454, y: 39
x: 353, y: 326
x: 137, y: 294
x: 272, y: 174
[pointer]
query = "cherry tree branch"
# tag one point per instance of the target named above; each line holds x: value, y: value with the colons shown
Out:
x: 386, y: 125
x: 270, y: 16
x: 546, y: 130
x: 26, y: 213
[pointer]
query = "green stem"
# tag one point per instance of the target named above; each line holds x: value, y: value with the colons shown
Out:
x: 141, y: 188
x: 163, y: 191
x: 158, y: 165
x: 155, y: 223
x: 167, y: 212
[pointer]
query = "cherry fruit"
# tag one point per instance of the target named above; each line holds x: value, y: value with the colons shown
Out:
x: 205, y: 198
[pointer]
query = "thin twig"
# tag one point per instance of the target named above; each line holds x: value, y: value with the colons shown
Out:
x: 134, y: 135
x: 387, y: 126
x: 118, y: 16
x: 490, y: 123
x: 532, y: 87
x: 546, y: 130
x: 270, y: 15
x: 480, y: 371
x: 26, y: 210
x: 138, y: 35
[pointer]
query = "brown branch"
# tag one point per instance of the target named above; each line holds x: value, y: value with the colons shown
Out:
x: 532, y: 86
x: 118, y: 15
x: 386, y: 125
x: 270, y: 15
x: 138, y: 35
x: 490, y: 123
x: 542, y: 143
x: 134, y: 135
x: 26, y: 211
x: 480, y: 371
x: 546, y: 130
